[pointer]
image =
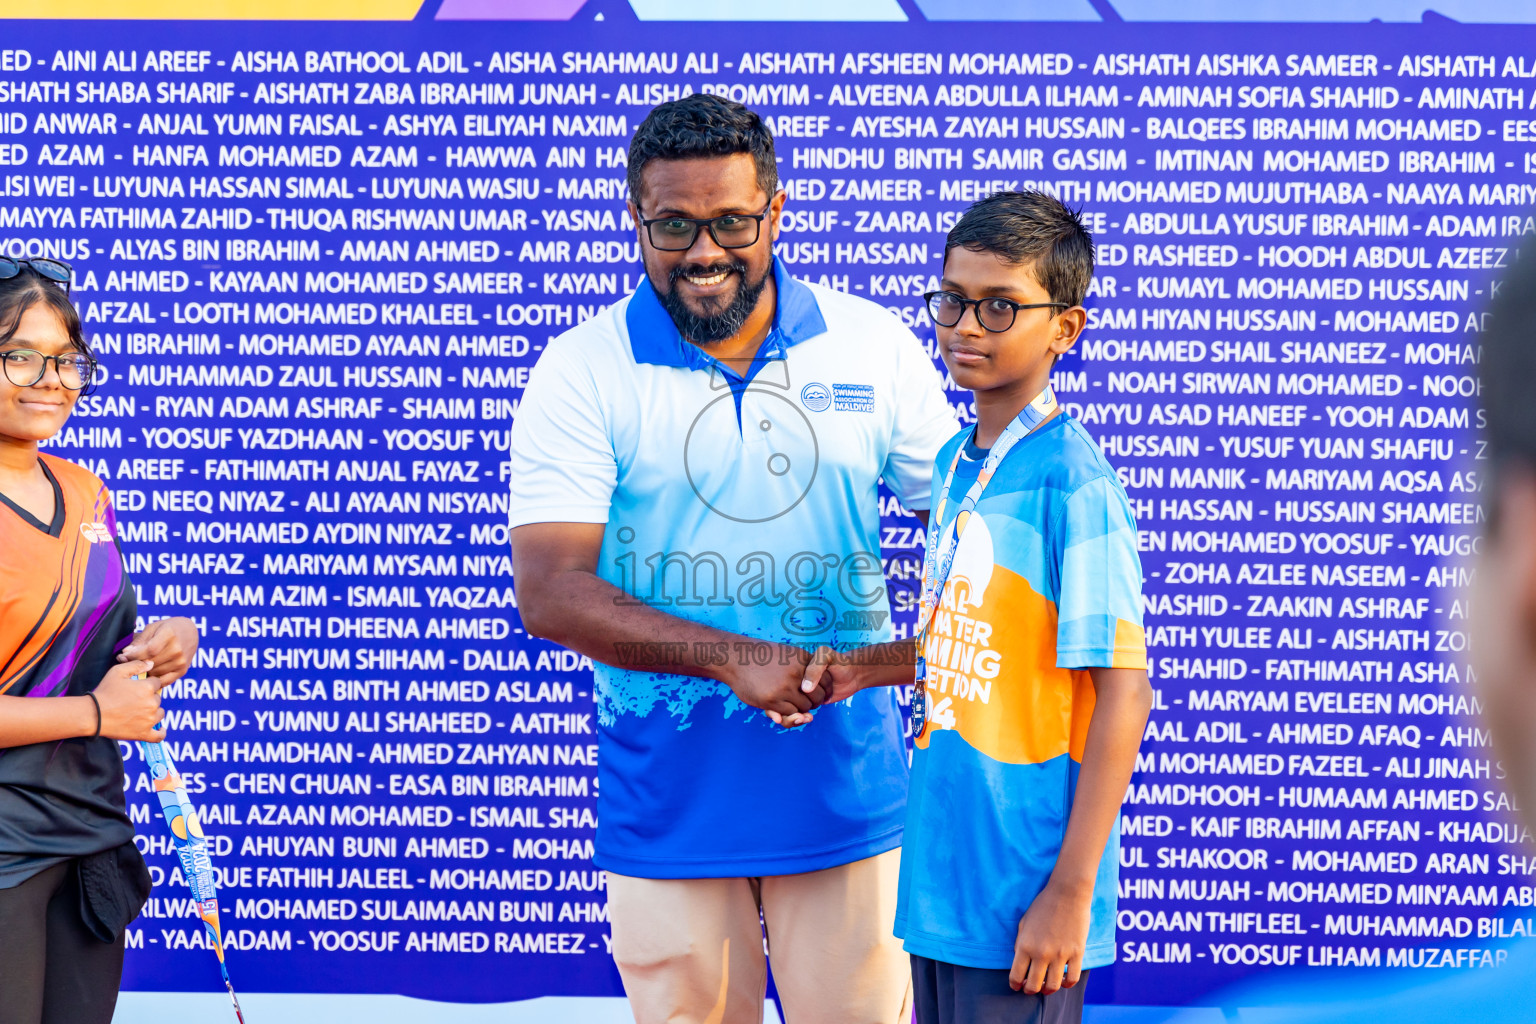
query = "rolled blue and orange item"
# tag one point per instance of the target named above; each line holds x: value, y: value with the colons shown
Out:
x: 192, y: 849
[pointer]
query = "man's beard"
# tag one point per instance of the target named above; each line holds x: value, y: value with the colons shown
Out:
x: 709, y: 328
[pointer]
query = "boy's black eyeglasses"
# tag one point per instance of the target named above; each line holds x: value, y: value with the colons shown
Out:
x: 24, y: 367
x: 57, y: 271
x: 729, y: 230
x: 995, y: 314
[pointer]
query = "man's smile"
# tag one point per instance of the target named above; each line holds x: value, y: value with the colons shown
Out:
x: 707, y: 283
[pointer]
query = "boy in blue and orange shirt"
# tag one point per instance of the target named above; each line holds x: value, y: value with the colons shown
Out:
x: 1031, y: 658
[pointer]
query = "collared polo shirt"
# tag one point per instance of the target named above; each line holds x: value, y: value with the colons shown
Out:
x: 747, y: 502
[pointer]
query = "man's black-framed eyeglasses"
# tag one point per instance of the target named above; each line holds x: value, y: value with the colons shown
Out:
x: 57, y: 271
x: 995, y: 314
x: 24, y: 367
x: 729, y: 230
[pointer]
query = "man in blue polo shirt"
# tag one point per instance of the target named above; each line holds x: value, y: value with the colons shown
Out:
x: 694, y: 506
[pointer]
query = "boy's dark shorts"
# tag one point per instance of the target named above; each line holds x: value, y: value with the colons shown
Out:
x: 949, y: 994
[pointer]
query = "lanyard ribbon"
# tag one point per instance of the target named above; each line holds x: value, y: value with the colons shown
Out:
x: 191, y: 848
x: 939, y: 559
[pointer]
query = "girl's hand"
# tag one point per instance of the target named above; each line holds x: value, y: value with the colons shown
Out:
x: 170, y: 643
x: 130, y: 708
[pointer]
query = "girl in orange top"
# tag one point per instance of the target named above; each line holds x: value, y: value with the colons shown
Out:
x: 70, y: 877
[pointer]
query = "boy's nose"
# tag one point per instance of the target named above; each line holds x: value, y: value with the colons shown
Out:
x: 970, y: 324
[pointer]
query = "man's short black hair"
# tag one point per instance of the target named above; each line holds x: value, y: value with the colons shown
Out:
x: 699, y: 126
x: 1508, y: 369
x: 1035, y: 228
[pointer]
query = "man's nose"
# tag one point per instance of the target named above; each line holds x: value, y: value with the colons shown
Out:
x: 705, y: 250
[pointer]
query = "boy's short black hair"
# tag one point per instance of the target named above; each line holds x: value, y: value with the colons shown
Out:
x: 1031, y: 227
x: 698, y: 126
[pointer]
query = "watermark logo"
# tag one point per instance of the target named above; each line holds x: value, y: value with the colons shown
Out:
x: 816, y: 397
x: 752, y: 463
x: 814, y: 592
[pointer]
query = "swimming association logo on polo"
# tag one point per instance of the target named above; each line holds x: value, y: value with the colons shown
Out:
x: 817, y: 397
x: 853, y: 398
x: 96, y: 533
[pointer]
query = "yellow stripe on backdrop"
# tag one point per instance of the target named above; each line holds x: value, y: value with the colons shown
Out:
x: 215, y: 10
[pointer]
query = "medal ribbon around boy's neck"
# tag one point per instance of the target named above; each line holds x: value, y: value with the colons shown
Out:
x: 939, y: 559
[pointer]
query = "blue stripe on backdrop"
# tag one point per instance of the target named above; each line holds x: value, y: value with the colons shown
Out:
x: 157, y: 1007
x: 1008, y: 10
x: 1521, y: 12
x: 769, y: 10
x: 1209, y: 11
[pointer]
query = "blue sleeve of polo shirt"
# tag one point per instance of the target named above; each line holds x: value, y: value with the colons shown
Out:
x: 924, y: 421
x: 563, y: 468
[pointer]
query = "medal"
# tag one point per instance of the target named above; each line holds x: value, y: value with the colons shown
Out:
x: 920, y: 699
x: 939, y: 559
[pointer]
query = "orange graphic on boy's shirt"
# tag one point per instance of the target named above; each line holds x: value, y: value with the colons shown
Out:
x: 991, y: 658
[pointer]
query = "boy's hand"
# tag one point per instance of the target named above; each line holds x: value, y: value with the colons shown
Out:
x: 891, y: 663
x: 843, y: 677
x: 1053, y: 934
x: 830, y: 676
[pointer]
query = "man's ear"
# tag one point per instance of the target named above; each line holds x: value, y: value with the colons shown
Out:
x: 775, y: 211
x: 634, y: 216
